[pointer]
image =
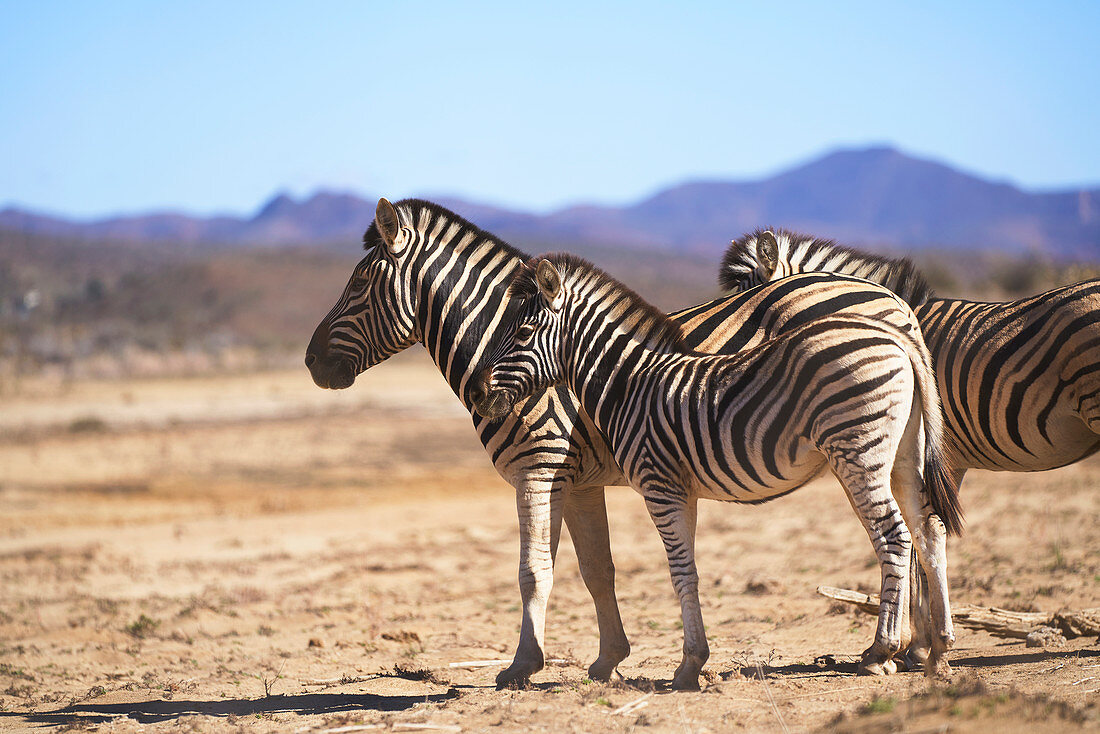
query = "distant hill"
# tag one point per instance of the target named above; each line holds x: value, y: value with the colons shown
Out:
x: 871, y: 196
x: 324, y: 217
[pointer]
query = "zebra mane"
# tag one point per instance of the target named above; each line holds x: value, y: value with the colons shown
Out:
x: 652, y: 325
x: 799, y: 253
x: 425, y: 215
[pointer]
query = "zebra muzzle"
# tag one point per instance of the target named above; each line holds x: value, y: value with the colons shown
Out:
x: 489, y: 401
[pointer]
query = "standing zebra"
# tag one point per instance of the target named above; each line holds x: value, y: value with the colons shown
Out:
x: 849, y: 392
x: 430, y: 276
x: 1019, y: 381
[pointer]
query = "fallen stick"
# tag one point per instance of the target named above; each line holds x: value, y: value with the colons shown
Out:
x: 499, y: 661
x: 997, y: 622
x: 336, y: 681
x: 340, y: 729
x: 638, y: 703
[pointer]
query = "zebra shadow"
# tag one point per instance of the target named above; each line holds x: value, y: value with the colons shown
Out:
x: 985, y: 660
x: 149, y: 712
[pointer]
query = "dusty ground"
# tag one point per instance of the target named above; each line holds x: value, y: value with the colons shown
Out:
x: 254, y: 553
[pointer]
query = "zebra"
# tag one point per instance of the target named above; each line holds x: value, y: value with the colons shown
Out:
x: 1019, y: 381
x: 849, y: 392
x: 429, y: 276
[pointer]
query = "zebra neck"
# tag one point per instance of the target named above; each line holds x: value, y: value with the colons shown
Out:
x: 462, y: 305
x: 603, y: 366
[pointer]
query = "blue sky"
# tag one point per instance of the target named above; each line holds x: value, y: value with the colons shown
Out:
x: 205, y: 106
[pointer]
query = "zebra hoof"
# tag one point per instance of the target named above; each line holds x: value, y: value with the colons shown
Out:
x: 937, y: 665
x: 685, y: 682
x: 872, y: 669
x: 912, y: 659
x: 916, y: 656
x: 939, y: 669
x: 514, y: 677
x: 687, y: 675
x: 601, y: 670
x: 873, y: 665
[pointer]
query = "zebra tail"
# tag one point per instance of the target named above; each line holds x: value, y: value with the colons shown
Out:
x: 943, y: 491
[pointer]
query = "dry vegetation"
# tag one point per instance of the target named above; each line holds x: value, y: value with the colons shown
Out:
x: 111, y: 309
x: 250, y: 553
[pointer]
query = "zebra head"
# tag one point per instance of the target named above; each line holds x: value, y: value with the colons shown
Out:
x: 375, y: 316
x: 753, y: 260
x: 528, y: 357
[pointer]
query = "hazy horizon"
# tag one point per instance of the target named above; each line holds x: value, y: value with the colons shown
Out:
x: 249, y: 212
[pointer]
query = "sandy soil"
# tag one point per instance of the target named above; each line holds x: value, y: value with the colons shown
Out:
x: 253, y: 553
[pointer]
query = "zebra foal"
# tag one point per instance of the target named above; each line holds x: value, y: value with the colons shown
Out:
x: 849, y: 392
x: 1019, y: 381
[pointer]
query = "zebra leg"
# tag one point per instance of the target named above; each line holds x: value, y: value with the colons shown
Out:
x: 920, y: 620
x: 919, y: 650
x: 930, y: 546
x: 869, y: 493
x: 586, y: 518
x: 539, y: 504
x: 674, y: 515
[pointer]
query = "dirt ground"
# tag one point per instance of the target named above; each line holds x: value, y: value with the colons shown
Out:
x: 219, y: 554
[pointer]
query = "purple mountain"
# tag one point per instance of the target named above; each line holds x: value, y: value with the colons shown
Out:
x: 872, y: 196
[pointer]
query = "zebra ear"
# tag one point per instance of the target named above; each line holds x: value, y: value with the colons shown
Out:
x: 385, y: 216
x: 549, y: 282
x: 767, y: 251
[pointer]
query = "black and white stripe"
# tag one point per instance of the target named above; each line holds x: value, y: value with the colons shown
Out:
x: 849, y: 392
x: 1019, y: 381
x: 429, y: 276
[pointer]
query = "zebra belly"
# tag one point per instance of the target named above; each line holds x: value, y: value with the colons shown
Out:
x: 743, y: 487
x: 1052, y: 438
x: 1074, y: 447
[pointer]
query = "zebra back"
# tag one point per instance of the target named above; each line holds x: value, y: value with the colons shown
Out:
x: 766, y: 255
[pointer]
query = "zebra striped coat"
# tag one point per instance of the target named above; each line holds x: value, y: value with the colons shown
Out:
x: 849, y: 392
x: 1019, y: 381
x: 431, y: 277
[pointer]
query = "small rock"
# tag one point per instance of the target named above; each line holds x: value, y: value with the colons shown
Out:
x: 316, y: 642
x: 1045, y: 637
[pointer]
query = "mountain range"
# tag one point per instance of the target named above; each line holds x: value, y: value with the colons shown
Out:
x: 870, y: 196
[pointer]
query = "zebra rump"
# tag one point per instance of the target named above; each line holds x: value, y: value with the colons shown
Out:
x: 1018, y: 380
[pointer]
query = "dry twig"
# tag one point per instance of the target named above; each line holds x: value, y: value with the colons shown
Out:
x: 638, y: 703
x: 997, y: 622
x: 768, y: 691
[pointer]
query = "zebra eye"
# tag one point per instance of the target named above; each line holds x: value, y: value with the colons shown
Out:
x: 525, y: 332
x: 358, y: 284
